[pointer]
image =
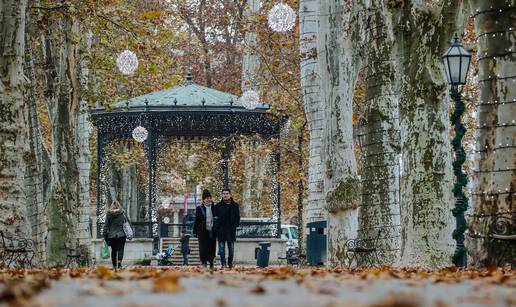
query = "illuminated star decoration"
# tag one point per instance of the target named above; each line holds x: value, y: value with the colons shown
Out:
x: 250, y: 100
x: 282, y: 18
x: 127, y: 62
x: 140, y: 134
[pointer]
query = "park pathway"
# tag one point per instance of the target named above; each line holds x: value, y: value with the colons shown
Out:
x: 272, y: 287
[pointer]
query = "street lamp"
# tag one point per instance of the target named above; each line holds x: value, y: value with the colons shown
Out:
x: 456, y: 65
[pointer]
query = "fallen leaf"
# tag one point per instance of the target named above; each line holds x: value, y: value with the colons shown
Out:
x: 104, y: 272
x: 258, y: 290
x: 326, y: 291
x: 397, y: 301
x: 167, y: 283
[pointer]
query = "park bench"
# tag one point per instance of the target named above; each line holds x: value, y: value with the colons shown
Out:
x: 503, y: 227
x: 75, y: 256
x: 363, y: 251
x: 16, y: 251
x: 293, y: 258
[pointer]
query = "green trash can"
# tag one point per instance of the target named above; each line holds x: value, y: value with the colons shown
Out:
x: 262, y: 253
x: 316, y: 243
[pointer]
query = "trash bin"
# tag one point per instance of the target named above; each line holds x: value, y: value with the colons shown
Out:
x: 316, y: 243
x: 262, y: 253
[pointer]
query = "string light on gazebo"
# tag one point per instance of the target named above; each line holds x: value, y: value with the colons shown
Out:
x: 140, y: 134
x: 250, y: 100
x: 282, y: 18
x: 127, y: 62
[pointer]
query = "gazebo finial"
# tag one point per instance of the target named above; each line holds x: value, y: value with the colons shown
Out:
x: 189, y: 72
x: 189, y: 77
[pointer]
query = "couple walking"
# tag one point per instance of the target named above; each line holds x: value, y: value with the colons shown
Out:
x: 216, y: 223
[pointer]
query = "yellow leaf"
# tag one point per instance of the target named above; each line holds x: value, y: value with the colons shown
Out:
x: 167, y: 283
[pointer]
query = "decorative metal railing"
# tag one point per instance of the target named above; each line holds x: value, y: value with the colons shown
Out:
x: 174, y: 230
x: 258, y: 230
x: 140, y: 229
x: 245, y: 230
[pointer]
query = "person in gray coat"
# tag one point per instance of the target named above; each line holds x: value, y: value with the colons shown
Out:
x: 114, y: 234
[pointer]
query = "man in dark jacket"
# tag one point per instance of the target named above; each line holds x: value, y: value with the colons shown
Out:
x: 227, y: 217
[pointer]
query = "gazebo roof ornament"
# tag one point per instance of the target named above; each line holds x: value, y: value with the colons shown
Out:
x: 189, y: 77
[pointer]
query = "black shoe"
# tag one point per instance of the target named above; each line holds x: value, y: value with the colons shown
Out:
x: 211, y: 265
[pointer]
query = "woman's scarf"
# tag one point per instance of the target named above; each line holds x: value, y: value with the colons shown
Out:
x: 209, y: 217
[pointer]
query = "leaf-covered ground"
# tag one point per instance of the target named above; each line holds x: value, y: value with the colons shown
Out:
x: 278, y: 286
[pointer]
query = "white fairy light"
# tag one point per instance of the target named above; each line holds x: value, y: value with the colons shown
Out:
x: 250, y: 100
x: 127, y: 62
x: 166, y: 220
x: 140, y: 134
x: 282, y: 18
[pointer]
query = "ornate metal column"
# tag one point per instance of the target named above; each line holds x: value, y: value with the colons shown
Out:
x: 151, y: 164
x: 276, y: 186
x: 461, y: 200
x: 101, y: 151
x: 226, y: 154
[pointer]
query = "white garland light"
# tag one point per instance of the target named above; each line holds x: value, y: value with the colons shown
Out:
x: 282, y: 18
x: 140, y: 134
x: 250, y: 100
x: 127, y: 62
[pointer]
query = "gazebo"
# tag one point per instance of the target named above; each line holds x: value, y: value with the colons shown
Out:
x: 185, y: 111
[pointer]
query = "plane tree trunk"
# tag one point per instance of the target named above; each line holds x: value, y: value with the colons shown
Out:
x: 494, y: 172
x: 13, y: 128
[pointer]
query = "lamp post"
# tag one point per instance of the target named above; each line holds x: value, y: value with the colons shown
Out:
x: 456, y: 65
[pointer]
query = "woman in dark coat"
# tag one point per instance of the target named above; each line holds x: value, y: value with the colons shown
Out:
x: 114, y: 234
x: 203, y: 229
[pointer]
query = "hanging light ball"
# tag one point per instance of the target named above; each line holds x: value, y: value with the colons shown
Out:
x: 166, y: 220
x: 250, y: 100
x: 281, y: 18
x: 127, y: 62
x: 140, y: 134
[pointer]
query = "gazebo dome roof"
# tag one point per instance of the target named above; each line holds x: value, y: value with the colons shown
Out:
x: 185, y: 110
x: 188, y: 94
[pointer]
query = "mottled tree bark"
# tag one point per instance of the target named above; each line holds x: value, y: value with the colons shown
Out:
x: 338, y: 71
x: 68, y: 210
x: 426, y: 187
x: 494, y: 171
x: 13, y: 211
x: 250, y: 68
x: 380, y: 174
x: 248, y: 184
x: 37, y: 177
x: 314, y: 109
